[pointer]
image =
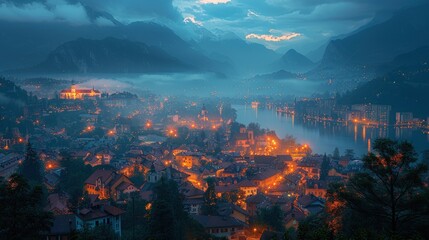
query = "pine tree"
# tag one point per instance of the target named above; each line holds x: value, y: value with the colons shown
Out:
x: 390, y: 193
x: 336, y: 154
x: 210, y: 206
x: 324, y: 168
x: 32, y: 166
x: 21, y: 212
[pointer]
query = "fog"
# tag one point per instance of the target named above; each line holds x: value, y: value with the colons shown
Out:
x: 181, y: 84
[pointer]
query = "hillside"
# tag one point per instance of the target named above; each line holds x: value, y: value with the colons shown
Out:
x: 381, y: 43
x: 405, y: 89
x: 109, y: 55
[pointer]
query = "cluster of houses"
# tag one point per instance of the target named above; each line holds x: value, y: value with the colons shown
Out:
x: 243, y: 186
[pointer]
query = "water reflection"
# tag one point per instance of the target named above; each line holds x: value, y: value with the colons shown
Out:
x: 325, y: 136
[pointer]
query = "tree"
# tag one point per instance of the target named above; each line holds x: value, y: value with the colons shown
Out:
x: 168, y: 220
x: 349, y: 153
x: 210, y: 201
x: 162, y: 224
x: 101, y: 232
x: 73, y: 177
x: 272, y: 218
x: 313, y: 228
x: 390, y: 193
x: 336, y: 154
x: 324, y: 168
x: 32, y: 166
x: 21, y: 212
x: 135, y: 220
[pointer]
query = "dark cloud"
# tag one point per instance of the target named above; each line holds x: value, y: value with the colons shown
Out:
x: 136, y: 9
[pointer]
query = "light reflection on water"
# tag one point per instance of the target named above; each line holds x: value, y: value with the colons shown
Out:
x: 323, y: 137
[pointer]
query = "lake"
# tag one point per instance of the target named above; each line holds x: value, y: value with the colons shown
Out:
x: 323, y: 137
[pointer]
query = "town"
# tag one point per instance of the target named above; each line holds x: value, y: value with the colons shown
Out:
x: 122, y: 165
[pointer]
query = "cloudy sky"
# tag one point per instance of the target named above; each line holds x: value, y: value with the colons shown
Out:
x: 302, y: 24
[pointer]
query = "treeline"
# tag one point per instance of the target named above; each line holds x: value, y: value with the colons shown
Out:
x: 388, y: 200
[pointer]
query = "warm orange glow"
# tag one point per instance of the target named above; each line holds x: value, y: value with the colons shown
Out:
x: 20, y: 140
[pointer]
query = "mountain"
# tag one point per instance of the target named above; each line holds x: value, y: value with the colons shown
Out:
x: 316, y: 54
x: 249, y: 58
x: 282, y: 74
x: 109, y: 55
x: 294, y: 61
x: 380, y: 43
x: 30, y: 43
x: 414, y: 59
x: 405, y: 89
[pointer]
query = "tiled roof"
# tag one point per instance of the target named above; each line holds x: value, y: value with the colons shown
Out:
x: 217, y: 221
x: 104, y: 174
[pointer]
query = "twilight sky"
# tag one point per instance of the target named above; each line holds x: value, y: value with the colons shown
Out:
x: 302, y: 24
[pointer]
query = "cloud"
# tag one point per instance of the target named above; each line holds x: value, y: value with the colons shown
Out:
x: 136, y: 10
x: 214, y: 1
x: 251, y: 13
x: 44, y: 11
x: 272, y: 38
x: 191, y: 19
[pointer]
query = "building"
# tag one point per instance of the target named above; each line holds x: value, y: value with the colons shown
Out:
x: 248, y: 187
x: 317, y: 188
x: 64, y: 226
x: 75, y: 93
x: 220, y: 226
x: 404, y: 118
x: 372, y: 113
x: 9, y: 164
x: 100, y: 215
x: 108, y: 184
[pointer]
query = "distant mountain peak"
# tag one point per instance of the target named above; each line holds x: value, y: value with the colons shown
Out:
x: 294, y: 61
x: 109, y: 55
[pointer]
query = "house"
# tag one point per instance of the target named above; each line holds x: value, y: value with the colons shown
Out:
x: 266, y: 177
x: 99, y: 215
x: 58, y: 204
x: 317, y: 188
x: 63, y: 226
x: 188, y: 159
x: 219, y: 226
x: 310, y: 204
x: 229, y: 209
x: 9, y: 164
x: 248, y: 187
x: 252, y: 203
x: 194, y: 198
x: 51, y: 180
x: 108, y: 184
x: 311, y: 166
x: 293, y: 217
x: 244, y: 139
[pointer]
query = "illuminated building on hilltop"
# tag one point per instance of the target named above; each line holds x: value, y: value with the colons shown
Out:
x: 79, y: 94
